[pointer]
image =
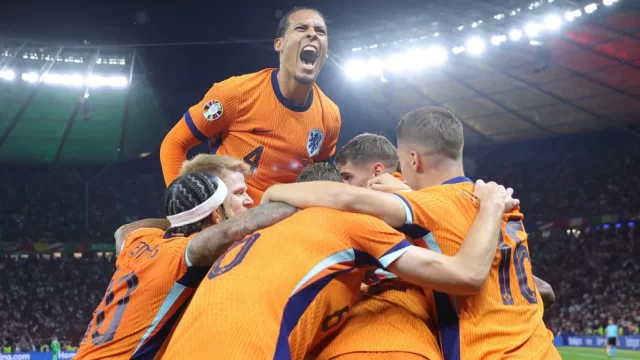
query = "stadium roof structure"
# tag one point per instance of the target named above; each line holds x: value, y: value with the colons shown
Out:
x: 542, y: 69
x: 75, y: 106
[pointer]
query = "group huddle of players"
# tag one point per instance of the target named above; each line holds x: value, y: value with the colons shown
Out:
x: 269, y: 252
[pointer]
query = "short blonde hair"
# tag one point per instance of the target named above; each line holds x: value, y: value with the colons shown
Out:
x: 217, y: 165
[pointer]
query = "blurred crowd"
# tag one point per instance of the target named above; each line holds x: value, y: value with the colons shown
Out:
x: 45, y: 204
x: 41, y: 298
x: 593, y: 270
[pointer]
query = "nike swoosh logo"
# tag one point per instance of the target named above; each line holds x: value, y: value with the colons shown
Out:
x: 260, y: 131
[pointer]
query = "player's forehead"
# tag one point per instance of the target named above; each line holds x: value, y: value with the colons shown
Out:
x: 350, y: 167
x: 306, y: 17
x: 234, y: 180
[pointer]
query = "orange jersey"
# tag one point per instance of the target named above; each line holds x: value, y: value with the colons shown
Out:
x: 144, y: 299
x: 280, y: 292
x: 504, y: 320
x: 393, y: 317
x: 247, y: 117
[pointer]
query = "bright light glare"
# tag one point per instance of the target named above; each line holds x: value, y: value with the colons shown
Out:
x: 498, y: 39
x: 515, y: 34
x: 533, y: 29
x: 117, y: 81
x: 437, y: 55
x: 30, y: 77
x: 607, y: 2
x: 552, y: 22
x: 355, y: 69
x: 570, y: 15
x: 458, y: 49
x: 7, y: 75
x: 474, y: 25
x: 591, y: 8
x: 475, y: 46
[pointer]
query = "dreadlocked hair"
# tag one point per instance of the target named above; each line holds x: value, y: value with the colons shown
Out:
x: 185, y: 193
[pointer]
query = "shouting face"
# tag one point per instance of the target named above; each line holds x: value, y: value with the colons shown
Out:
x: 303, y: 46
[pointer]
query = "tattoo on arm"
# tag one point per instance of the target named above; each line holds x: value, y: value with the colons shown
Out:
x: 210, y: 243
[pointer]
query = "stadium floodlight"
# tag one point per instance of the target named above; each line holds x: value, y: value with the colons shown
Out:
x: 436, y: 34
x: 533, y: 29
x: 552, y: 22
x: 498, y: 16
x: 535, y: 43
x: 591, y: 8
x: 513, y: 13
x: 355, y: 69
x: 570, y: 15
x: 30, y: 77
x: 498, y: 39
x: 457, y: 50
x: 460, y: 28
x: 474, y: 25
x: 7, y: 75
x: 515, y: 34
x: 356, y: 49
x: 117, y: 81
x: 437, y: 55
x: 395, y: 63
x: 475, y: 45
x: 607, y: 2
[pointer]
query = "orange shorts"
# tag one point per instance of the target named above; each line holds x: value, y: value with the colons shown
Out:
x: 380, y: 356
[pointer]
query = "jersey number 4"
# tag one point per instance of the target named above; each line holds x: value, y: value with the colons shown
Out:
x: 253, y: 158
x: 99, y: 338
x: 519, y: 254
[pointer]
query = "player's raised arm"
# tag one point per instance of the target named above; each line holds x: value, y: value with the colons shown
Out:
x: 211, y: 116
x: 123, y: 231
x: 546, y: 292
x: 339, y: 196
x: 205, y: 248
x: 466, y: 272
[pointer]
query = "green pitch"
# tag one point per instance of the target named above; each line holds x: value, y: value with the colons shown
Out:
x: 576, y: 353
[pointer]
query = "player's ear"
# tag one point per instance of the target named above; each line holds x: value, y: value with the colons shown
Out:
x: 216, y: 217
x: 278, y: 44
x: 378, y: 169
x: 416, y: 162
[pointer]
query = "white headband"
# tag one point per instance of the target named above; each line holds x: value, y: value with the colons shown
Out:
x: 201, y: 211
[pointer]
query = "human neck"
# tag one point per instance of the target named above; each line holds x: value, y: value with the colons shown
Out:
x: 291, y: 89
x: 440, y: 171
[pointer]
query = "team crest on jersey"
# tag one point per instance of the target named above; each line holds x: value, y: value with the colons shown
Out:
x: 212, y: 110
x: 314, y: 142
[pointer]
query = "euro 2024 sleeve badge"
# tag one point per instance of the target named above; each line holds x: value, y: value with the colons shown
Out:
x: 212, y: 110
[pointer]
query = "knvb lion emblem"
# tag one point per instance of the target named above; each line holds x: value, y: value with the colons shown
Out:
x: 314, y: 142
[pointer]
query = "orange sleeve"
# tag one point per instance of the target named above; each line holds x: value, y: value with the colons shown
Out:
x: 428, y: 207
x: 212, y: 115
x: 377, y: 239
x: 332, y: 124
x: 445, y: 212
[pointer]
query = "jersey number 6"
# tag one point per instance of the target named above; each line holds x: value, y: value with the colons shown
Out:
x: 520, y: 254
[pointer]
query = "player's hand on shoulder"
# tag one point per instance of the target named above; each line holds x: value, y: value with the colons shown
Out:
x: 496, y: 196
x: 387, y: 183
